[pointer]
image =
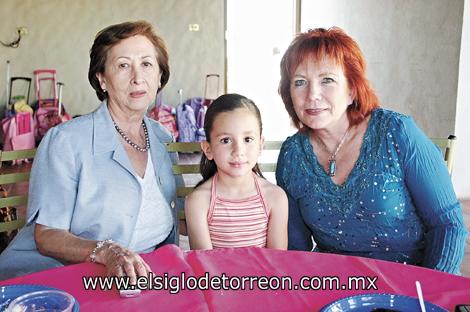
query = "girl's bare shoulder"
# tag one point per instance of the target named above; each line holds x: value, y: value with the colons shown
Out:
x: 201, y: 193
x: 272, y: 192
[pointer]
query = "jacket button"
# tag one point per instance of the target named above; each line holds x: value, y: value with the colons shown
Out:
x: 172, y: 204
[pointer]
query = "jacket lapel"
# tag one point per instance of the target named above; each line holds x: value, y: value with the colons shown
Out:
x: 105, y: 138
x: 158, y: 150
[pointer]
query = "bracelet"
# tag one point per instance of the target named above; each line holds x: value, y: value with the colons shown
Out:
x: 99, y: 245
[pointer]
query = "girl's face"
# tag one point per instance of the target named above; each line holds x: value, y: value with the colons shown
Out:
x: 235, y: 143
x: 320, y: 94
x: 132, y: 74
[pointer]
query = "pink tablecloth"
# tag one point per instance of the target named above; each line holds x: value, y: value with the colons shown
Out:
x: 440, y: 288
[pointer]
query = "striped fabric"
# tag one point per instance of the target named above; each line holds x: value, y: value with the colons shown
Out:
x: 238, y: 222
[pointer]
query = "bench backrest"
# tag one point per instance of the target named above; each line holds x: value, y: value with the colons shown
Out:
x: 10, y: 176
x: 446, y: 145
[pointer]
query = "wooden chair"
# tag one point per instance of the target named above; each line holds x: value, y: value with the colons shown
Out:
x: 193, y: 168
x: 448, y: 146
x: 7, y: 177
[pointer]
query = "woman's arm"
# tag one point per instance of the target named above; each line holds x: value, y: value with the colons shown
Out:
x: 431, y: 188
x: 195, y: 209
x: 299, y: 234
x: 63, y: 245
x: 53, y: 191
x: 277, y: 226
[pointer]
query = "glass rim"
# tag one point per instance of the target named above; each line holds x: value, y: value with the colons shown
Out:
x: 64, y: 294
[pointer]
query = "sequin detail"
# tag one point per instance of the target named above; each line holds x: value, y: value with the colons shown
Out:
x: 371, y: 214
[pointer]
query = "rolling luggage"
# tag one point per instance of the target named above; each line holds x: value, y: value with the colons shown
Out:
x: 18, y: 125
x: 190, y: 118
x: 50, y: 111
x: 165, y: 115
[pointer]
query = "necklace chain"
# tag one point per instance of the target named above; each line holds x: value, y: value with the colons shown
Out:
x: 332, y: 158
x: 134, y: 145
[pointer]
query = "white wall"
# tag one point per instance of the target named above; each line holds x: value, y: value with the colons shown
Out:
x: 61, y: 32
x: 418, y: 55
x: 411, y: 48
x: 461, y: 175
x: 253, y: 57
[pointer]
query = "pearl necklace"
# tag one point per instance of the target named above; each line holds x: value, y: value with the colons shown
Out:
x: 126, y: 138
x: 332, y: 158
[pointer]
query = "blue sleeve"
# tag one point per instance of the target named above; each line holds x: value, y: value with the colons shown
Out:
x: 53, y: 183
x: 431, y: 189
x: 299, y: 235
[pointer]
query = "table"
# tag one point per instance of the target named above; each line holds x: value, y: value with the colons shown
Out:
x: 440, y: 288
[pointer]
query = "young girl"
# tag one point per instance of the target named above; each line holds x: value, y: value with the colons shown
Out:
x: 234, y: 206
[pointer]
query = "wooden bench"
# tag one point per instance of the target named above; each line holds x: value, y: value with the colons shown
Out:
x: 269, y: 167
x: 447, y: 145
x: 11, y: 176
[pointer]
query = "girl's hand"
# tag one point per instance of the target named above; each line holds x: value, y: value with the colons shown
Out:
x: 120, y: 261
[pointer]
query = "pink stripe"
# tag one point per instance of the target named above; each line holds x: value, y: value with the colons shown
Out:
x: 238, y: 223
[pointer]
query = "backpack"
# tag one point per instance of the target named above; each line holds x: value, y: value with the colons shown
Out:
x: 190, y: 118
x: 18, y: 131
x: 165, y: 115
x: 47, y: 117
x: 50, y: 111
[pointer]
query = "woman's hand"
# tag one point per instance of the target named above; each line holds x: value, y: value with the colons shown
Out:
x: 64, y: 246
x: 120, y: 261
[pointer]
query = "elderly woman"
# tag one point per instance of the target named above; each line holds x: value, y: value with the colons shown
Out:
x: 361, y: 180
x: 102, y: 188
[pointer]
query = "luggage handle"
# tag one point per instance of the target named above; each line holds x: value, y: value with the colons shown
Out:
x: 44, y: 71
x: 208, y: 101
x: 51, y: 77
x: 60, y: 85
x: 11, y: 86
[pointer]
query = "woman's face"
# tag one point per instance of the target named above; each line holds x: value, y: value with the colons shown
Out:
x: 320, y: 94
x: 132, y: 74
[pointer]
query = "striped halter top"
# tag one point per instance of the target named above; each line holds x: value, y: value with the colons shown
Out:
x: 238, y: 222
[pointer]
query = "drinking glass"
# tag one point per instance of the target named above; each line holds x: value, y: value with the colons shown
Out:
x: 44, y: 300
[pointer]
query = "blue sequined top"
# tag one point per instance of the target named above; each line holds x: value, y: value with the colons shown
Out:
x: 397, y: 204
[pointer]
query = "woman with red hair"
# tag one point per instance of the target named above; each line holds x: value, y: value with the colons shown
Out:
x: 361, y: 180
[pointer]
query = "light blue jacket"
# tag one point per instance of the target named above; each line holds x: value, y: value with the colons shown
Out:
x: 82, y: 181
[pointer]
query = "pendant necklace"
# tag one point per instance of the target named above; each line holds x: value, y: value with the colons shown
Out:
x: 134, y: 145
x: 332, y: 158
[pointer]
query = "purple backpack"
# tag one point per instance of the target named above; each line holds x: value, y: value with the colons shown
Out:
x: 190, y: 118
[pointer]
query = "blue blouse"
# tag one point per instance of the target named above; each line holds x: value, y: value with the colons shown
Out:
x: 397, y: 204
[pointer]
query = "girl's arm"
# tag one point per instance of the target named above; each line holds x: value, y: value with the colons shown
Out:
x: 195, y: 209
x: 277, y: 226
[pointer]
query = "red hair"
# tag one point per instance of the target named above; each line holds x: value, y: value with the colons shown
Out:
x: 333, y: 44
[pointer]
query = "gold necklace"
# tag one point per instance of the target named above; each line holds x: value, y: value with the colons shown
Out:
x: 332, y: 158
